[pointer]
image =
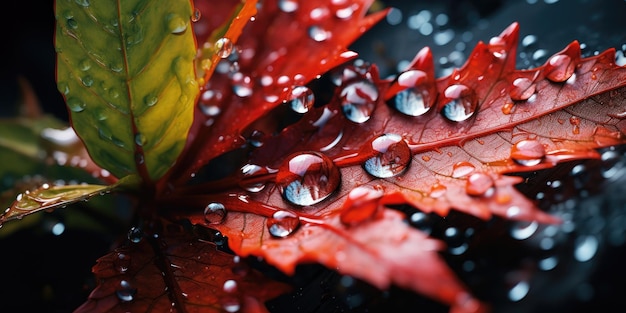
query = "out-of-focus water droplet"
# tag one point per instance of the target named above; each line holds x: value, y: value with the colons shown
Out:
x: 548, y: 263
x: 528, y: 152
x: 176, y: 24
x: 196, y: 15
x: 318, y: 33
x: 214, y: 213
x: 224, y: 47
x: 419, y: 95
x: 479, y: 184
x: 125, y: 291
x: 307, y: 178
x: 361, y: 205
x: 522, y: 89
x: 150, y: 100
x: 300, y: 99
x: 390, y: 156
x: 135, y: 234
x: 358, y: 100
x: 230, y: 304
x: 230, y: 286
x: 140, y: 139
x: 242, y: 85
x: 288, y: 6
x: 462, y: 169
x: 497, y: 47
x: 87, y: 81
x: 585, y: 248
x: 559, y: 68
x: 529, y: 40
x: 524, y: 229
x: 421, y: 221
x: 71, y: 23
x: 84, y: 65
x: 462, y: 103
x: 282, y: 224
x: 122, y: 263
x: 76, y: 105
x: 519, y: 291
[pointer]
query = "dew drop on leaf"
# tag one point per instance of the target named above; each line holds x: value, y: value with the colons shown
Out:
x: 135, y: 234
x: 122, y: 262
x: 358, y: 100
x: 125, y: 291
x: 522, y: 89
x: 140, y: 139
x: 307, y: 178
x: 250, y: 170
x: 318, y: 33
x: 391, y: 156
x: 479, y: 184
x: 176, y: 24
x: 462, y: 169
x: 230, y: 286
x: 497, y: 47
x: 71, y: 23
x: 84, y: 65
x: 528, y: 152
x: 150, y: 100
x: 87, y: 81
x: 288, y: 6
x: 419, y: 95
x: 300, y: 99
x: 282, y: 224
x: 461, y: 103
x: 559, y: 68
x: 437, y: 190
x: 361, y: 204
x: 224, y: 47
x: 196, y: 15
x: 83, y: 3
x: 215, y: 213
x: 76, y: 105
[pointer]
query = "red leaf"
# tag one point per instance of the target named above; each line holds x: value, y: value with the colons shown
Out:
x: 485, y: 120
x: 176, y: 271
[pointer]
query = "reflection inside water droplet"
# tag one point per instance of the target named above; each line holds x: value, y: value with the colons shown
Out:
x: 418, y: 97
x: 300, y: 99
x: 522, y: 89
x: 391, y: 156
x: 358, y: 100
x: 282, y: 223
x: 214, y: 213
x: 528, y: 152
x: 462, y: 103
x: 224, y: 47
x: 307, y: 178
x: 125, y: 292
x: 135, y: 234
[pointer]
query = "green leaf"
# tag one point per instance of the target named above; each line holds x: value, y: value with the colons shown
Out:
x: 126, y: 70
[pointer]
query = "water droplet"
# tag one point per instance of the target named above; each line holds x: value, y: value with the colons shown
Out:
x: 230, y: 304
x: 83, y: 3
x: 523, y: 229
x: 140, y: 139
x: 522, y: 89
x: 249, y: 170
x: 125, y: 291
x: 282, y: 223
x: 497, y: 47
x: 122, y: 263
x: 307, y: 178
x: 519, y: 291
x: 288, y: 6
x: 135, y: 234
x: 462, y: 103
x: 559, y: 68
x: 176, y: 24
x: 586, y: 248
x: 196, y: 15
x: 507, y: 107
x: 87, y: 81
x: 301, y: 99
x: 421, y: 221
x: 71, y: 23
x: 242, y: 85
x: 528, y: 152
x: 361, y: 205
x: 391, y: 156
x: 462, y: 169
x: 150, y: 100
x: 419, y: 95
x: 358, y: 100
x: 76, y: 105
x: 215, y: 213
x: 224, y: 47
x: 575, y: 121
x: 319, y: 34
x: 230, y: 286
x: 63, y: 88
x: 479, y: 184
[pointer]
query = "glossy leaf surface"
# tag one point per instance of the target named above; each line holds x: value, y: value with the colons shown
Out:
x: 127, y: 74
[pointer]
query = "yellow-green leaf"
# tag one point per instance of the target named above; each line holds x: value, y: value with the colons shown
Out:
x: 126, y: 70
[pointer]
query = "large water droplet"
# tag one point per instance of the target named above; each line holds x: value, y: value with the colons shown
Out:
x: 282, y: 223
x: 462, y: 169
x: 418, y: 96
x: 391, y: 156
x: 215, y: 213
x: 479, y: 184
x: 462, y: 103
x: 528, y: 152
x: 522, y: 89
x: 76, y: 105
x: 301, y: 99
x: 135, y: 234
x: 559, y: 68
x: 125, y: 291
x: 224, y: 47
x: 358, y: 100
x: 230, y: 286
x: 307, y: 178
x: 361, y: 205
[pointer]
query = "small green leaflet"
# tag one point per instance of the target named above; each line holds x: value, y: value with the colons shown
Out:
x: 126, y: 70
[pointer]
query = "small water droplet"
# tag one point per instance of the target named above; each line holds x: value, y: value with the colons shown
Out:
x: 462, y: 169
x: 230, y: 304
x: 559, y: 68
x: 125, y: 291
x: 318, y: 34
x: 307, y: 178
x: 242, y: 85
x: 230, y: 286
x: 176, y: 24
x: 215, y: 213
x: 282, y: 223
x: 87, y: 81
x: 249, y: 170
x: 150, y: 100
x: 288, y: 6
x: 528, y: 152
x: 361, y: 205
x: 507, y: 107
x: 479, y: 184
x: 497, y: 47
x: 135, y: 234
x: 391, y: 156
x: 122, y: 263
x: 421, y: 221
x: 575, y: 121
x: 301, y: 99
x: 76, y: 105
x: 71, y: 23
x: 522, y: 89
x: 419, y: 95
x: 196, y: 15
x: 63, y: 88
x: 224, y: 47
x: 462, y: 103
x: 358, y: 100
x: 140, y: 139
x: 84, y: 65
x: 437, y: 190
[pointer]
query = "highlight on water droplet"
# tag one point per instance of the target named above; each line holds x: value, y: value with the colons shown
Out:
x: 418, y: 96
x: 150, y: 99
x: 87, y: 81
x: 528, y: 152
x: 362, y: 204
x: 230, y: 286
x: 522, y: 88
x: 479, y: 184
x: 462, y: 103
x: 282, y: 223
x: 224, y: 47
x: 358, y: 100
x: 559, y: 68
x: 390, y: 156
x: 300, y: 99
x: 462, y: 169
x: 196, y: 15
x: 140, y: 139
x: 125, y: 291
x: 307, y: 178
x: 176, y: 24
x: 214, y: 213
x: 288, y: 6
x: 318, y: 33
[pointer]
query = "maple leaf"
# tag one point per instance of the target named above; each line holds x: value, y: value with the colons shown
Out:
x: 321, y: 190
x: 179, y: 271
